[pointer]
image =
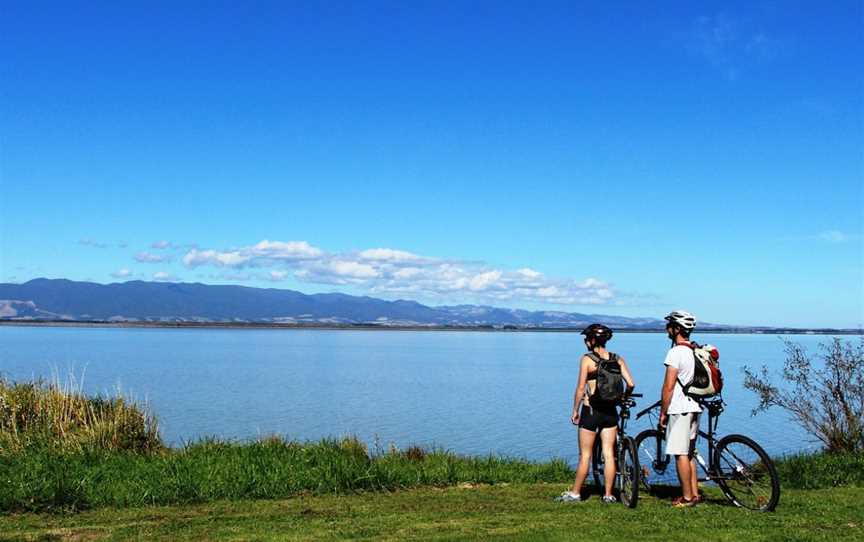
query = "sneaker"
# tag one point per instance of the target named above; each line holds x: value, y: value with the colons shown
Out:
x: 609, y: 499
x: 569, y: 496
x: 681, y: 502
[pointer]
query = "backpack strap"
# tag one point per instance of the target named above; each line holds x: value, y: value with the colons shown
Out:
x: 613, y: 357
x: 686, y: 389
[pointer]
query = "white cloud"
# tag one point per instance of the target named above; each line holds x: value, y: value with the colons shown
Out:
x: 277, y: 276
x: 161, y: 245
x: 530, y: 273
x: 264, y: 254
x: 391, y: 272
x: 829, y: 236
x: 87, y: 242
x: 389, y: 255
x: 121, y: 273
x: 291, y: 250
x: 146, y: 257
x: 834, y: 236
x: 195, y: 258
x: 484, y: 281
x: 731, y: 45
x: 162, y: 276
x: 352, y: 269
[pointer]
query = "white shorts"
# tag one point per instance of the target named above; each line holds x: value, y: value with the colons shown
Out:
x: 681, y: 430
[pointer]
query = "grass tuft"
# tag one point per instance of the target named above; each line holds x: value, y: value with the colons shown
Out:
x: 821, y: 470
x: 60, y: 417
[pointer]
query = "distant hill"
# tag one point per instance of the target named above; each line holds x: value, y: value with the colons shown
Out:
x: 138, y: 301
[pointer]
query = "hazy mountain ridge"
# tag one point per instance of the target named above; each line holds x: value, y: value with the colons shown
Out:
x: 53, y: 299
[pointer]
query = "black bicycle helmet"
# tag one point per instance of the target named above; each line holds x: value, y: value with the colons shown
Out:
x: 599, y: 332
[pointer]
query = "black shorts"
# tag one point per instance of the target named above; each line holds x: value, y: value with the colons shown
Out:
x: 594, y: 419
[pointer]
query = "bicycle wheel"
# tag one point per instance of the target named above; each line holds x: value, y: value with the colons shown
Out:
x: 656, y: 468
x: 628, y: 464
x: 598, y: 464
x: 746, y: 474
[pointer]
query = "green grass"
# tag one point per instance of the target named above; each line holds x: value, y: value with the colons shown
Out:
x: 499, y: 512
x: 59, y: 416
x: 813, y: 471
x: 101, y: 458
x: 42, y: 479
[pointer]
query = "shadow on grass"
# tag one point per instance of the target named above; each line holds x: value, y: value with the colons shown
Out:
x: 671, y: 492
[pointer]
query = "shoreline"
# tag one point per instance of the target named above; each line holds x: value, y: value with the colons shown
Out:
x: 374, y: 327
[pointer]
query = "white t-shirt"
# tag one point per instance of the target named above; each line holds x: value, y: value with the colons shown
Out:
x: 681, y: 357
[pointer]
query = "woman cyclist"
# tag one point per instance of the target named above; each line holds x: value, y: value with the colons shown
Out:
x: 592, y: 415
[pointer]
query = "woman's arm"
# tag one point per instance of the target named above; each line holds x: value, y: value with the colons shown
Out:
x: 625, y: 372
x: 580, y: 389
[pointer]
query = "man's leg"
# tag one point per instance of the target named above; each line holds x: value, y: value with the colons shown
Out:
x: 694, y: 432
x: 678, y: 445
x: 694, y: 478
x: 685, y: 475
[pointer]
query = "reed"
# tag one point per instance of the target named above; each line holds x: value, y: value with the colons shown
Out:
x: 59, y: 416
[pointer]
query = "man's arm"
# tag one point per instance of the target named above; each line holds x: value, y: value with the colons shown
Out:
x: 666, y: 396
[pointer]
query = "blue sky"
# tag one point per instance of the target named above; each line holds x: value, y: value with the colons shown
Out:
x: 605, y: 159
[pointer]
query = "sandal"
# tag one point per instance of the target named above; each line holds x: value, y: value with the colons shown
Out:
x: 681, y: 502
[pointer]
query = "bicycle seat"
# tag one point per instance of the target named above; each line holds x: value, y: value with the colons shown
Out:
x: 714, y: 406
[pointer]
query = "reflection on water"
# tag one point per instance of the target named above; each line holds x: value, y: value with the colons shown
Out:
x: 471, y: 392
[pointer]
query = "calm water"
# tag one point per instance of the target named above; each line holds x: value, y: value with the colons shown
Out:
x: 474, y: 393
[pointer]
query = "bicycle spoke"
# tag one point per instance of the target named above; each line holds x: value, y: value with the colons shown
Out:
x: 746, y: 476
x: 656, y: 471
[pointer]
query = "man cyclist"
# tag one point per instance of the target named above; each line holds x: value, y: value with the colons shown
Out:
x: 679, y: 413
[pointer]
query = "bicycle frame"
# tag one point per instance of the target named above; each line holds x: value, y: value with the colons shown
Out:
x: 623, y: 415
x: 714, y: 408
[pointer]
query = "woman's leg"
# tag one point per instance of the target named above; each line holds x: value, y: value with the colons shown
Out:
x: 586, y: 446
x: 607, y: 437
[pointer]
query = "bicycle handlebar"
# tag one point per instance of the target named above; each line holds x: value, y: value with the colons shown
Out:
x: 704, y: 402
x: 647, y: 410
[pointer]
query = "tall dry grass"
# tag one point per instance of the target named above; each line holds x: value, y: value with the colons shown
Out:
x: 59, y: 416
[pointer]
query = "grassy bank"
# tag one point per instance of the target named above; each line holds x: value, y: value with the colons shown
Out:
x: 821, y: 470
x: 513, y: 512
x: 61, y: 451
x: 44, y: 479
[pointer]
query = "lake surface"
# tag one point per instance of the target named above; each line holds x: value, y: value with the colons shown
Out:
x: 470, y: 392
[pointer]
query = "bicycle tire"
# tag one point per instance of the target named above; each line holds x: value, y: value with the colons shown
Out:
x: 629, y: 475
x: 745, y: 474
x: 598, y: 464
x: 656, y: 470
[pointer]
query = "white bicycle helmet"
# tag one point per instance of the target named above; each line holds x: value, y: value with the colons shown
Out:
x: 682, y: 318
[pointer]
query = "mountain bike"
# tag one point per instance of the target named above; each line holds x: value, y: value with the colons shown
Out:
x: 737, y: 464
x: 626, y: 459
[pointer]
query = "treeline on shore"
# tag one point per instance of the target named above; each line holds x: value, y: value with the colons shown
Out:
x: 63, y: 450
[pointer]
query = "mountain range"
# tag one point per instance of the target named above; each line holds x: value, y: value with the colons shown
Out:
x: 140, y: 301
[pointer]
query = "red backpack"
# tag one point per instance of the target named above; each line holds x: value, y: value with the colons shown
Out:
x: 707, y: 378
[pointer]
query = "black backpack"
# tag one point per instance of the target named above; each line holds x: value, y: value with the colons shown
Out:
x: 610, y: 382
